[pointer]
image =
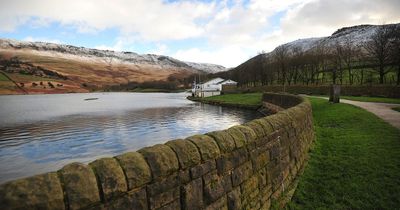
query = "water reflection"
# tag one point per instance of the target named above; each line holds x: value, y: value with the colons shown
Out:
x: 32, y: 144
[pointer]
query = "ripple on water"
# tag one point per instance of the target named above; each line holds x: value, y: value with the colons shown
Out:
x: 50, y: 134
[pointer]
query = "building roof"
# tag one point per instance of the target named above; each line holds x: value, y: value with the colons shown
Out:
x: 217, y: 80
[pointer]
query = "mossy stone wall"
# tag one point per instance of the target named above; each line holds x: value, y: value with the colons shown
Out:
x: 244, y: 167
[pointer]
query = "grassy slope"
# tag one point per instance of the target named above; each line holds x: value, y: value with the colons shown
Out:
x: 3, y: 77
x: 243, y: 99
x: 355, y: 162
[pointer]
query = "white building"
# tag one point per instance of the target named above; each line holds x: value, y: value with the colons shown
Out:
x: 211, y: 87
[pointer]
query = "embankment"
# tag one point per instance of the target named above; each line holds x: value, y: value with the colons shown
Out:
x: 244, y: 167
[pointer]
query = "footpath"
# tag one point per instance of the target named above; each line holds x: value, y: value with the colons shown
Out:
x: 382, y: 110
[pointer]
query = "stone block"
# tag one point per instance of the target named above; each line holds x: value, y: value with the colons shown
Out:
x: 334, y: 94
x: 161, y: 159
x: 249, y: 133
x: 207, y: 146
x: 136, y: 169
x: 249, y: 186
x: 80, y: 185
x: 259, y: 158
x: 37, y: 192
x: 168, y: 183
x: 241, y: 173
x: 257, y: 128
x: 224, y: 140
x: 262, y: 177
x: 163, y: 198
x: 238, y: 137
x: 233, y: 199
x: 110, y: 176
x: 174, y: 205
x: 202, y: 169
x: 220, y: 204
x: 215, y: 186
x: 193, y: 195
x: 265, y: 123
x: 227, y: 162
x: 275, y: 151
x: 133, y: 200
x: 187, y: 152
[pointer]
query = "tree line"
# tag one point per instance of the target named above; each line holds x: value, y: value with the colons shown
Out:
x: 376, y: 61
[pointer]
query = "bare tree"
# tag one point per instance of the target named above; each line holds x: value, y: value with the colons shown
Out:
x: 395, y: 51
x: 281, y: 55
x: 379, y: 50
x: 349, y: 56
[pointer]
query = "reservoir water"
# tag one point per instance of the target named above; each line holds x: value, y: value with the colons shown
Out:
x: 42, y: 133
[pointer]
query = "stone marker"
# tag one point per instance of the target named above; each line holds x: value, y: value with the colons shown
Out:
x: 334, y: 95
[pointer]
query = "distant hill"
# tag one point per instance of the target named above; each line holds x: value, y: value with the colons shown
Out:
x: 309, y: 58
x: 83, y: 68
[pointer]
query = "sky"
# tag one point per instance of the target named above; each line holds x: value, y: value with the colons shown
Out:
x: 225, y: 32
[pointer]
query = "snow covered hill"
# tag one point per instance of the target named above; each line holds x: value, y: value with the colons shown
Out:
x: 357, y: 35
x: 82, y: 53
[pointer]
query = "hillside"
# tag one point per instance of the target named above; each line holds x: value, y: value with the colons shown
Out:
x: 343, y: 56
x: 79, y: 69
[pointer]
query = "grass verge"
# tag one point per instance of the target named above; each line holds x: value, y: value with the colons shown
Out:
x: 156, y: 90
x: 372, y: 99
x: 251, y: 99
x: 354, y: 164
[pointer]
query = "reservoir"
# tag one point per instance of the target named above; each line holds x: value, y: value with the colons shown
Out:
x: 42, y: 133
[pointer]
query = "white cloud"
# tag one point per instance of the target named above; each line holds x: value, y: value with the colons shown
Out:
x: 161, y: 49
x: 233, y: 30
x: 226, y: 56
x: 152, y: 20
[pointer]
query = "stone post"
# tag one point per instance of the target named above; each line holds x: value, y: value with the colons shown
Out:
x: 334, y: 95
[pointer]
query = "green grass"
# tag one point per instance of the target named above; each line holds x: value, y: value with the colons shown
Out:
x: 372, y: 99
x: 3, y: 78
x: 396, y: 108
x: 252, y: 99
x: 354, y: 163
x: 368, y: 99
x: 156, y: 90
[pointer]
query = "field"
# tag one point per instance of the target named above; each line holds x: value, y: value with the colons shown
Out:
x: 252, y: 99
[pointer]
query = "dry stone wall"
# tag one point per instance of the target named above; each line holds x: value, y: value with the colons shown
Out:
x: 244, y: 167
x: 390, y: 91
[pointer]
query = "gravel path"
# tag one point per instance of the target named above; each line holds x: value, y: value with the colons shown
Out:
x: 382, y: 110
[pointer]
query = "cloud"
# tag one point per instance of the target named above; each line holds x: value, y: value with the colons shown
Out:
x: 151, y: 20
x: 323, y: 17
x: 230, y: 30
x: 161, y: 49
x: 227, y: 56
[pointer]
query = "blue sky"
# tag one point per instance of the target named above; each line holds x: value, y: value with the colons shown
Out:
x: 224, y: 32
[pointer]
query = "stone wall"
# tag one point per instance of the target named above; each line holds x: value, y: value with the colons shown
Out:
x: 244, y: 167
x: 346, y: 90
